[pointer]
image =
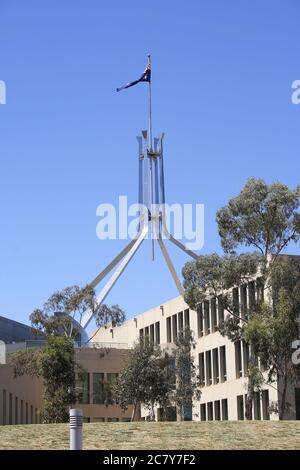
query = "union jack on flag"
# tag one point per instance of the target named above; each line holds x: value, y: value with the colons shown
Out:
x: 146, y: 77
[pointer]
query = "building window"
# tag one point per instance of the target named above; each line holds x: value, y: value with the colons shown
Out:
x: 251, y: 292
x: 265, y: 404
x: 259, y: 290
x: 126, y: 420
x: 10, y: 409
x: 152, y: 334
x: 206, y: 317
x: 217, y: 410
x: 36, y: 416
x: 174, y: 327
x: 99, y: 420
x: 201, y: 370
x: 297, y: 402
x: 224, y: 409
x: 200, y: 320
x: 240, y: 407
x: 210, y: 412
x: 180, y: 322
x: 208, y: 368
x: 169, y: 337
x: 220, y: 310
x: 235, y: 300
x: 84, y: 387
x: 16, y: 410
x: 256, y: 403
x: 86, y: 419
x: 147, y: 335
x: 26, y: 413
x: 238, y: 359
x: 112, y: 420
x: 22, y: 413
x: 214, y: 319
x: 31, y: 414
x: 157, y: 332
x: 216, y: 372
x: 111, y: 382
x: 243, y: 295
x: 223, y: 368
x: 203, y: 412
x: 4, y: 406
x: 186, y: 318
x: 141, y: 335
x: 98, y: 388
x: 246, y: 354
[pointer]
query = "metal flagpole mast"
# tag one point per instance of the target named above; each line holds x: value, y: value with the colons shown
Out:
x: 150, y: 108
x: 150, y: 150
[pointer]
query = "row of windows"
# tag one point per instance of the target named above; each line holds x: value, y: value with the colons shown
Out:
x: 176, y: 323
x: 151, y: 334
x: 210, y: 313
x: 87, y: 419
x: 101, y: 391
x: 247, y: 296
x: 214, y: 410
x: 16, y: 411
x: 242, y: 355
x: 212, y: 366
x: 260, y: 406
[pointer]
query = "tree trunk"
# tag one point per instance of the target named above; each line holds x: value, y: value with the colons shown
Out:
x: 179, y: 416
x: 133, y: 415
x: 282, y: 404
x: 250, y: 389
x: 152, y: 415
x: 249, y: 402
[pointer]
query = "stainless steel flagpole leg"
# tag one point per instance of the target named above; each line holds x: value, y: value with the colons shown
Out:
x: 76, y: 419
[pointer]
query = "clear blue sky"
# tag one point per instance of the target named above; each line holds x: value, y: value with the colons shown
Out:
x: 222, y: 74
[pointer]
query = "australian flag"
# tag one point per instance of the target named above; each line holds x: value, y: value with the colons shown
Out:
x: 146, y: 77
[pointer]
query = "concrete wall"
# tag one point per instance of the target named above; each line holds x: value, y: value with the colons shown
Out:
x: 20, y: 399
x: 26, y: 393
x: 102, y: 361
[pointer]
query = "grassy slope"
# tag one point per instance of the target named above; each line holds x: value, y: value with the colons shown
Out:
x: 209, y: 435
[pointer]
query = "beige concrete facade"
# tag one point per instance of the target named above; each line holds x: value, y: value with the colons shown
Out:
x: 222, y: 364
x: 21, y: 398
x: 101, y: 366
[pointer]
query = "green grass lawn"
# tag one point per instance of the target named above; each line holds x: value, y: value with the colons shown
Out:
x: 163, y: 436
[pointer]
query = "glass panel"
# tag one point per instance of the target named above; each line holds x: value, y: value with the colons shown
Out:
x: 83, y: 385
x: 98, y: 388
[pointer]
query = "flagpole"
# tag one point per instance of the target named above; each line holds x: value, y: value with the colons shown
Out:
x: 150, y: 108
x: 150, y: 149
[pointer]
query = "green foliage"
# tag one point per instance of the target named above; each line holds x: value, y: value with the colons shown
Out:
x: 58, y: 312
x: 261, y: 216
x: 213, y: 275
x: 144, y: 379
x: 153, y: 377
x: 186, y: 376
x: 105, y: 315
x: 25, y: 362
x: 55, y: 364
